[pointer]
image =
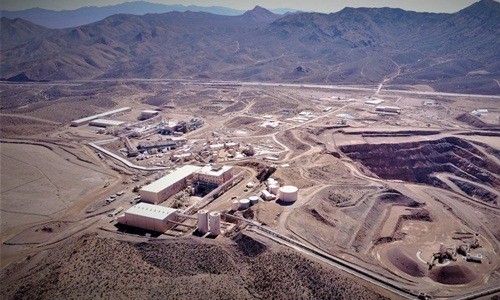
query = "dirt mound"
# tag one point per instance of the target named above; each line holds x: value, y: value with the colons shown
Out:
x: 91, y: 267
x: 182, y: 259
x: 397, y: 198
x: 287, y: 275
x: 237, y: 122
x: 452, y: 274
x: 292, y: 176
x: 250, y: 247
x: 405, y: 263
x: 475, y: 122
x: 264, y: 171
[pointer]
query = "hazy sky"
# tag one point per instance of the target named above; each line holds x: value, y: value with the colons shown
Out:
x: 304, y: 5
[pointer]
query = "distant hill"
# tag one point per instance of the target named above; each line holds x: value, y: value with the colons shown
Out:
x: 449, y: 52
x: 87, y: 15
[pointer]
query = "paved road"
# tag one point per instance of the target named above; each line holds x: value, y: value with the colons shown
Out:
x: 251, y: 83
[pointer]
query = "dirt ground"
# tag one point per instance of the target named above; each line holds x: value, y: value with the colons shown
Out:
x: 36, y: 182
x: 364, y: 206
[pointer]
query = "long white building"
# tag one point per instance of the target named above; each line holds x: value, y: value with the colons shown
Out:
x: 86, y: 120
x: 149, y: 217
x: 167, y: 186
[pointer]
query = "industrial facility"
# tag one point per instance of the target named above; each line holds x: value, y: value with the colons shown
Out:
x: 86, y: 120
x: 167, y: 186
x: 213, y: 175
x: 388, y: 109
x: 207, y: 177
x: 105, y: 123
x: 148, y: 113
x: 149, y: 217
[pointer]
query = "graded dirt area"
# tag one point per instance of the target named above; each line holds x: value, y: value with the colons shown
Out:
x: 380, y: 191
x: 37, y: 184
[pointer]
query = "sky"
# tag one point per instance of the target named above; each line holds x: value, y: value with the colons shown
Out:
x: 325, y: 6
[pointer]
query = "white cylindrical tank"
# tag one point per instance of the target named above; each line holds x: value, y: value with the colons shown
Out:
x: 203, y: 221
x: 235, y: 205
x: 273, y: 189
x: 288, y: 193
x: 215, y: 223
x: 253, y: 200
x: 244, y: 203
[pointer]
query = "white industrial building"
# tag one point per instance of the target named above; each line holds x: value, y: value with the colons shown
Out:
x: 148, y: 113
x: 86, y: 120
x: 388, y: 109
x: 374, y: 101
x: 213, y: 175
x: 105, y: 123
x: 167, y: 186
x: 149, y: 217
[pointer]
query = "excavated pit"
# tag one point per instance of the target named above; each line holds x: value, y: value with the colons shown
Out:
x: 418, y: 161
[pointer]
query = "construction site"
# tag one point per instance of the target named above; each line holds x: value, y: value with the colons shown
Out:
x: 390, y: 193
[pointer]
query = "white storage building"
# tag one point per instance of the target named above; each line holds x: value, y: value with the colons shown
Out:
x: 105, y: 123
x: 167, y: 186
x: 148, y: 113
x: 86, y: 120
x: 388, y: 109
x: 149, y: 217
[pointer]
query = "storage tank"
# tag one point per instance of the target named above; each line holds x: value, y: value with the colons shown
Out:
x: 271, y: 181
x: 244, y: 203
x: 273, y: 189
x: 215, y: 223
x: 203, y: 221
x: 253, y: 200
x: 235, y: 205
x: 288, y: 193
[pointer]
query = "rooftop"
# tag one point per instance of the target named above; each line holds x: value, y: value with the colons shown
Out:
x: 170, y: 179
x: 213, y: 170
x: 149, y: 111
x: 151, y: 211
x: 105, y: 122
x: 90, y: 118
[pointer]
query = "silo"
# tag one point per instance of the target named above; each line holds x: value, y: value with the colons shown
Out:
x: 203, y: 221
x: 235, y: 205
x: 244, y: 203
x: 253, y: 200
x: 288, y: 193
x: 215, y: 223
x: 271, y: 181
x: 274, y: 189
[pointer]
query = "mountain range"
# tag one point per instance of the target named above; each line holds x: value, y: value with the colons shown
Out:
x: 450, y: 52
x: 86, y: 15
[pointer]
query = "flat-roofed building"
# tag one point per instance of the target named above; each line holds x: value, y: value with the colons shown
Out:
x: 149, y: 217
x: 389, y: 109
x: 213, y: 175
x: 163, y: 188
x: 148, y: 113
x: 86, y: 120
x: 105, y: 123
